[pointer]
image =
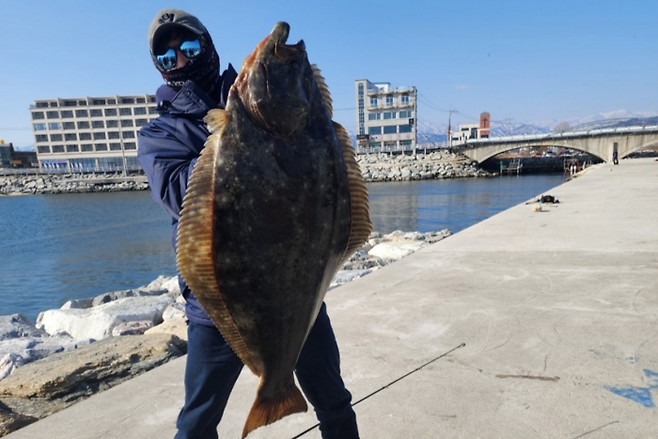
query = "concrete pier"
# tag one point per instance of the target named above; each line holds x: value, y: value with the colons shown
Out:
x: 558, y: 310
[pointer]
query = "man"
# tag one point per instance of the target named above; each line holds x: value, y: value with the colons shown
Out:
x: 184, y: 54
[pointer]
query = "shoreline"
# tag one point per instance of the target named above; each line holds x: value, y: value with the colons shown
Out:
x: 90, y: 345
x: 374, y: 167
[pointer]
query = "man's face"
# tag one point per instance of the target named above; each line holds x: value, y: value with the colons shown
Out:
x: 176, y: 49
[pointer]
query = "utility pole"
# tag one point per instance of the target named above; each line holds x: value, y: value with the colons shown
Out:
x: 415, y: 127
x: 449, y: 140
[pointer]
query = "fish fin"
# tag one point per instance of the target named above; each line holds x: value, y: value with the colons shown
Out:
x: 324, y: 90
x: 267, y: 410
x: 195, y: 251
x: 216, y: 120
x: 361, y: 225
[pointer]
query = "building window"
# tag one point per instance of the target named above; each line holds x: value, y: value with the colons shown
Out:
x: 115, y: 147
x: 113, y: 135
x: 99, y: 136
x: 97, y: 124
x: 52, y: 114
x: 405, y: 113
x: 405, y: 99
x: 68, y: 125
x: 127, y: 100
x: 54, y: 126
x: 130, y: 145
x: 139, y: 110
x: 67, y: 114
x: 110, y: 111
x: 98, y: 102
x: 141, y: 101
x: 373, y: 102
x: 127, y: 123
x: 86, y: 147
x: 55, y: 137
x: 112, y: 123
x: 128, y: 134
x: 83, y: 125
x: 81, y: 113
x: 41, y: 137
x: 42, y: 104
x: 374, y: 116
x: 390, y: 129
x: 71, y: 136
x: 37, y: 115
x: 70, y: 104
x: 153, y: 110
x: 101, y: 147
x: 96, y: 112
x: 58, y: 148
x: 72, y: 148
x: 43, y: 149
x: 374, y: 130
x: 39, y: 126
x: 389, y: 101
x: 125, y: 112
x: 375, y: 145
x: 85, y: 136
x: 389, y: 115
x: 405, y: 142
x: 140, y: 122
x: 405, y: 128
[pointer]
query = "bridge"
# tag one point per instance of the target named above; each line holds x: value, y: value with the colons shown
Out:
x: 597, y: 142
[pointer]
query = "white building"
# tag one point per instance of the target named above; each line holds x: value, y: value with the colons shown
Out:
x: 90, y: 134
x: 385, y: 117
x: 468, y: 131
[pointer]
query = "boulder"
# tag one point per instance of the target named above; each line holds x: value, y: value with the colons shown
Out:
x: 98, y: 322
x: 177, y: 327
x: 43, y: 387
x: 17, y: 325
x: 131, y: 328
x: 396, y: 249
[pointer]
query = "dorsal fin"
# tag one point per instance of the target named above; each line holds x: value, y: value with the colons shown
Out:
x: 324, y: 90
x: 361, y: 225
x: 216, y: 120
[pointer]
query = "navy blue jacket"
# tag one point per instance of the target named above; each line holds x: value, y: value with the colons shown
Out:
x: 168, y: 150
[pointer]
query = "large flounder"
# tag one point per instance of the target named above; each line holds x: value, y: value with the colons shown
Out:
x: 275, y: 204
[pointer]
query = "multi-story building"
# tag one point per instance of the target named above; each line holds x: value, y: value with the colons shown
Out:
x: 385, y: 117
x: 468, y: 131
x: 90, y: 134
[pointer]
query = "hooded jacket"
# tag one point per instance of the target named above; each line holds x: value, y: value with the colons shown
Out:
x: 168, y: 150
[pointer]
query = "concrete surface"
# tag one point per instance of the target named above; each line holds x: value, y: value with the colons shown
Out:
x: 558, y: 310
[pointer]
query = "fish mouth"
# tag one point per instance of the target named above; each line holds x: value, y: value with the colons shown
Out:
x: 282, y: 50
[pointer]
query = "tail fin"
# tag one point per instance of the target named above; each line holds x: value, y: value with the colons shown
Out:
x: 271, y: 409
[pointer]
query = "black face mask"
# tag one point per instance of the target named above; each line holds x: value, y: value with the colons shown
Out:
x: 203, y: 71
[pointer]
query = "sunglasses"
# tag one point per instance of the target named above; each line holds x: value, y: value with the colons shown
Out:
x: 190, y: 49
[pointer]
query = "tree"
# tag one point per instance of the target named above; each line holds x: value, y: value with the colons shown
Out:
x: 562, y: 127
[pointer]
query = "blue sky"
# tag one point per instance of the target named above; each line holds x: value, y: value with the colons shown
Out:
x: 525, y: 61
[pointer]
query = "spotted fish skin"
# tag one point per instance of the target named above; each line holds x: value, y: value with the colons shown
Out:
x: 274, y: 206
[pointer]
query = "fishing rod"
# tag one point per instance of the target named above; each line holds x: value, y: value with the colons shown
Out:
x: 387, y: 386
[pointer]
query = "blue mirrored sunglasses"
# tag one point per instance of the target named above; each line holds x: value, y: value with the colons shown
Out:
x: 190, y: 49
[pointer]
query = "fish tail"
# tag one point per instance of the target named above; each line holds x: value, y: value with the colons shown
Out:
x: 267, y: 410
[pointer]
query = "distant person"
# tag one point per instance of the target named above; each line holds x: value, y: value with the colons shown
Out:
x: 615, y: 158
x: 184, y: 54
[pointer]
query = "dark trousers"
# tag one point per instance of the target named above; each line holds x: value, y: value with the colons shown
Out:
x: 212, y: 369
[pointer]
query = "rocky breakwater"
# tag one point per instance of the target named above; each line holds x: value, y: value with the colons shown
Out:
x: 431, y: 166
x: 69, y: 183
x: 90, y: 345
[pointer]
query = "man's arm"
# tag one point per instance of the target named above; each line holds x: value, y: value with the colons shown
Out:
x: 168, y: 164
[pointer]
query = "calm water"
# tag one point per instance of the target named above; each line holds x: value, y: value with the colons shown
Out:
x: 60, y: 247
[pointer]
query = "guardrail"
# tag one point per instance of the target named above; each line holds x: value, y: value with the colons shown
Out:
x: 564, y: 135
